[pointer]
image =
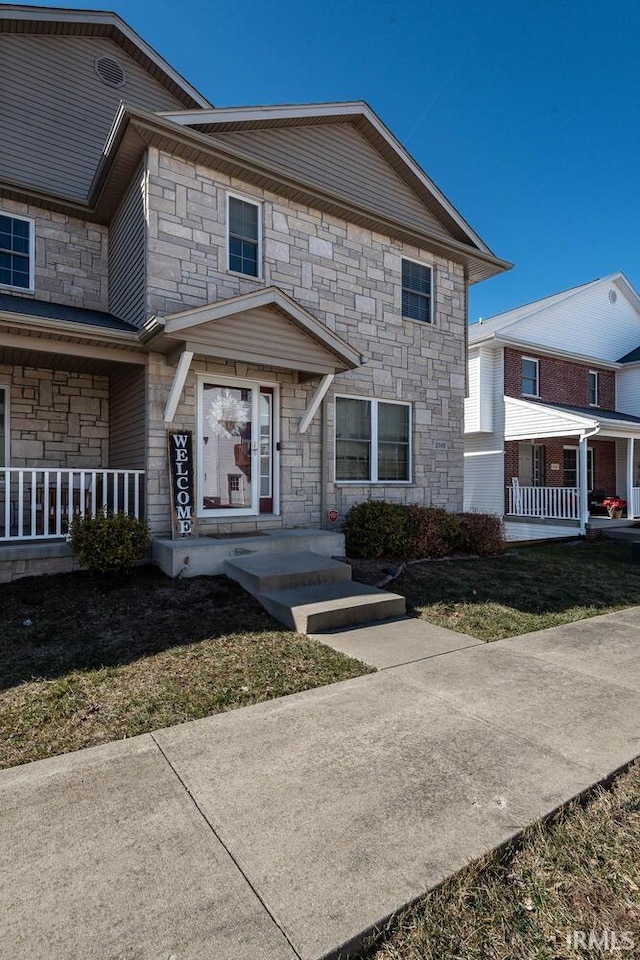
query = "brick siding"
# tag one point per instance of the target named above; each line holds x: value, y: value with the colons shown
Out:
x: 560, y: 381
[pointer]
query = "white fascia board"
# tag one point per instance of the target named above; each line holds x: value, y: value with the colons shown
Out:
x: 286, y: 111
x: 546, y: 351
x: 349, y: 108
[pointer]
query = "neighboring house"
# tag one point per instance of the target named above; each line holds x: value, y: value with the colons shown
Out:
x: 552, y: 417
x: 285, y: 282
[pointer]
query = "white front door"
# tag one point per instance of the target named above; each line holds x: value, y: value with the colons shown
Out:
x: 235, y: 447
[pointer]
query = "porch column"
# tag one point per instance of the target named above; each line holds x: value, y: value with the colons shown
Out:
x: 630, y: 451
x: 583, y: 483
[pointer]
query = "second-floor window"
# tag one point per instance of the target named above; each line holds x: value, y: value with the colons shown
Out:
x: 530, y: 377
x: 416, y: 291
x: 244, y: 237
x: 594, y: 399
x: 16, y: 252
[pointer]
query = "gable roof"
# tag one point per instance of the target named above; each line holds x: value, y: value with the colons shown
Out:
x: 358, y: 113
x: 60, y: 21
x: 507, y: 325
x: 265, y: 326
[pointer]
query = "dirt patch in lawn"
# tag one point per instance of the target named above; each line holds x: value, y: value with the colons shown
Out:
x: 85, y: 660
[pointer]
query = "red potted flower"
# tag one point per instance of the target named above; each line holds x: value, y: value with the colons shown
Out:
x: 615, y: 506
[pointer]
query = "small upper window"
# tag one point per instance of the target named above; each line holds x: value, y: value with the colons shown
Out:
x: 244, y: 237
x: 593, y: 388
x: 416, y: 291
x: 16, y: 252
x: 530, y: 378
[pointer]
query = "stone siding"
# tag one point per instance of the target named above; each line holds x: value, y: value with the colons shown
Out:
x: 71, y: 258
x: 57, y: 418
x: 350, y: 278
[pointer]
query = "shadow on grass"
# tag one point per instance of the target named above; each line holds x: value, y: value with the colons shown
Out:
x: 534, y: 581
x: 79, y: 622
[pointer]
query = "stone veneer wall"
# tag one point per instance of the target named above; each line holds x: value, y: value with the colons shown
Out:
x: 71, y: 258
x: 57, y: 418
x: 350, y: 278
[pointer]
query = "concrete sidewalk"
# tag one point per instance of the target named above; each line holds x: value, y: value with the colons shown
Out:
x: 285, y: 829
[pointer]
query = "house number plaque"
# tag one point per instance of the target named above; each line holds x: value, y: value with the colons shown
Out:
x: 181, y: 475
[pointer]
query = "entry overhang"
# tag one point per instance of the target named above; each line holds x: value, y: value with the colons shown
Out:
x: 266, y: 327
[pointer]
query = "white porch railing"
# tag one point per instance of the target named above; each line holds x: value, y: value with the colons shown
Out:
x: 38, y: 503
x: 554, y: 503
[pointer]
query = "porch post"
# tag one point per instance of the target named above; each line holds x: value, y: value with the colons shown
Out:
x: 630, y: 504
x: 583, y: 483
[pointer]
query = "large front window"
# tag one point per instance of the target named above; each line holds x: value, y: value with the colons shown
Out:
x: 373, y: 441
x: 16, y: 252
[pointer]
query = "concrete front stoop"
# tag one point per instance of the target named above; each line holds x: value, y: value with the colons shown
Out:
x: 311, y: 593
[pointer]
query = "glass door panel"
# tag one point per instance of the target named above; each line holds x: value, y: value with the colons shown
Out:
x: 226, y: 444
x: 266, y: 449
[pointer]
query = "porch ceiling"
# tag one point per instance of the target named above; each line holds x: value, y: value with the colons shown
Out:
x: 266, y: 327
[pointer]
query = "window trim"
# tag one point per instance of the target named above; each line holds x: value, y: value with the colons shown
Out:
x: 373, y: 473
x: 537, y: 363
x: 6, y: 388
x: 596, y: 374
x: 591, y: 465
x: 31, y: 255
x: 430, y: 268
x: 255, y: 203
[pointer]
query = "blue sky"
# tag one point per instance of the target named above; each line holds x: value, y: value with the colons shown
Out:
x: 526, y: 115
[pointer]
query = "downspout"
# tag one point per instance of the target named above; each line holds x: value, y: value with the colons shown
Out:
x: 583, y: 476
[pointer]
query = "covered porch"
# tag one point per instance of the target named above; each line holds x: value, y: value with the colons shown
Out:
x: 72, y: 408
x: 561, y: 463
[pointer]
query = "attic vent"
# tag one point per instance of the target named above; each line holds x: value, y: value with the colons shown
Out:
x: 110, y: 71
x: 613, y: 296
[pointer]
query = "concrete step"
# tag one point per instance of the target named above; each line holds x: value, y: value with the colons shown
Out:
x: 283, y: 571
x: 315, y: 609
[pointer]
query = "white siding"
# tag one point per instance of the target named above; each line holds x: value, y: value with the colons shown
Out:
x: 539, y: 531
x: 484, y: 452
x: 628, y: 391
x: 472, y: 402
x: 479, y: 405
x: 587, y: 323
x: 483, y: 480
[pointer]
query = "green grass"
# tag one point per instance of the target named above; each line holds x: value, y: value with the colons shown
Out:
x: 101, y: 660
x: 578, y: 872
x: 525, y: 590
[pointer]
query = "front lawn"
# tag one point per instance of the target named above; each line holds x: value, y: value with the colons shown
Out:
x: 525, y: 590
x: 576, y: 875
x: 84, y: 661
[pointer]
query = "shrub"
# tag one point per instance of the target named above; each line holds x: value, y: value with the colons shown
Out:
x: 481, y: 533
x: 432, y: 532
x: 375, y: 529
x: 109, y: 543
